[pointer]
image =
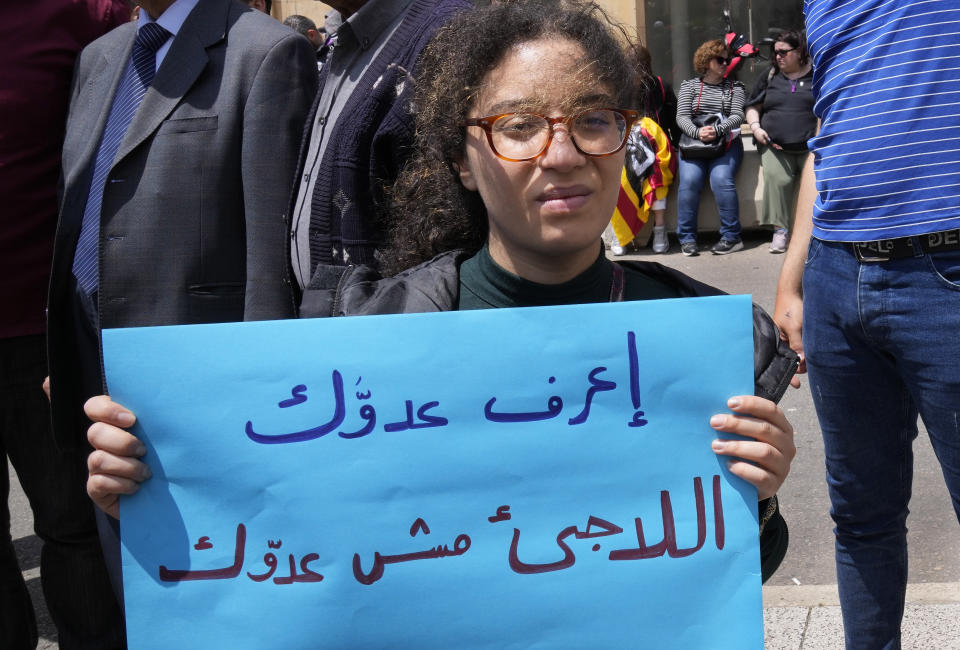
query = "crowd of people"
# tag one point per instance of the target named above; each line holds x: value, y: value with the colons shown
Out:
x: 216, y: 165
x: 704, y: 125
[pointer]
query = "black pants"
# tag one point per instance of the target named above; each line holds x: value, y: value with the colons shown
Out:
x: 72, y: 573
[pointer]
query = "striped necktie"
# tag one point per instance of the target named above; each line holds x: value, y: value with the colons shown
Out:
x: 133, y: 86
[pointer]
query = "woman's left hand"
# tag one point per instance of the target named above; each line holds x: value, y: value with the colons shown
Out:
x: 764, y: 461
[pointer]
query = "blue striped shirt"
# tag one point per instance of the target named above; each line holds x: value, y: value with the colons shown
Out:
x: 887, y: 89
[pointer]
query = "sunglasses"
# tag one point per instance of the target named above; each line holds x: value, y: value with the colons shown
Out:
x: 722, y: 60
x: 783, y: 52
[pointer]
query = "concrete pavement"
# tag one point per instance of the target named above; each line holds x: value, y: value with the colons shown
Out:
x: 808, y: 617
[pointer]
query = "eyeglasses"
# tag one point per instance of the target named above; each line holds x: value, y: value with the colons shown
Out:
x: 518, y: 137
x: 722, y: 60
x: 783, y: 52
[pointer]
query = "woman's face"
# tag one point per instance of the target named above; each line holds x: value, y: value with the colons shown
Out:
x: 787, y: 57
x: 545, y: 215
x: 718, y: 64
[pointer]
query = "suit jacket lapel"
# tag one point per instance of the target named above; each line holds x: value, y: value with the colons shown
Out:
x: 102, y: 81
x: 183, y: 64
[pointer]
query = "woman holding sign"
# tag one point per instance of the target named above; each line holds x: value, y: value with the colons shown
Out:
x: 522, y: 118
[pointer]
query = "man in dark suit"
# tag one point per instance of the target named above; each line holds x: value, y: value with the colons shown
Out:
x: 191, y: 225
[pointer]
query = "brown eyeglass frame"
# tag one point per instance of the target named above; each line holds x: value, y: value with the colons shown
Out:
x: 486, y: 123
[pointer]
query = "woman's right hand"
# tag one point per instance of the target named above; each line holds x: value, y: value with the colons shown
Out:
x: 114, y: 464
x: 707, y: 134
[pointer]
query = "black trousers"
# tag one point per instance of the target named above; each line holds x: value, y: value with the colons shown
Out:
x: 72, y: 573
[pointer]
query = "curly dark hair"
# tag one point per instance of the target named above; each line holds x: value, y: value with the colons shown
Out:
x: 431, y: 212
x: 706, y: 53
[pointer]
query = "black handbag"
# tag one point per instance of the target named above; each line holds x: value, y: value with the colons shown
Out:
x: 697, y: 149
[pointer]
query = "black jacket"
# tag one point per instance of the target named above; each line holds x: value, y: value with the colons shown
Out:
x: 435, y: 285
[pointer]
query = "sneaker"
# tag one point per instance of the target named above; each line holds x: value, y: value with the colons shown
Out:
x: 689, y: 248
x: 616, y: 249
x: 779, y: 242
x: 725, y: 246
x: 660, y: 242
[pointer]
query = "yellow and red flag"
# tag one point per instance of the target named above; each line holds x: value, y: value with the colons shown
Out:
x: 649, y: 170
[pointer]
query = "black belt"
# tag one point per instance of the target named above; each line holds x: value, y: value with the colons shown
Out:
x: 882, y: 250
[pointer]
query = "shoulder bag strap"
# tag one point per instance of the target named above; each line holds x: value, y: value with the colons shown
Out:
x: 663, y: 97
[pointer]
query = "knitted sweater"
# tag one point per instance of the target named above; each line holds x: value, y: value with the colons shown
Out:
x: 367, y: 150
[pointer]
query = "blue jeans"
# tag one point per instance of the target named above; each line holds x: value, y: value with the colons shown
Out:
x: 722, y: 172
x: 881, y: 346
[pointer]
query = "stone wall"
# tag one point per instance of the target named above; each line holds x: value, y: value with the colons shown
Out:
x: 310, y: 8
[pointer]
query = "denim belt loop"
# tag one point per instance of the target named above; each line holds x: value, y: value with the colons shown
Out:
x: 918, y: 249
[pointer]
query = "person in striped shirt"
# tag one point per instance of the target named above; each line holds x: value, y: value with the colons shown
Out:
x: 706, y: 94
x: 873, y: 277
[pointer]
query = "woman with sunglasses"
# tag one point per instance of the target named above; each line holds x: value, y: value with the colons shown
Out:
x: 710, y: 93
x: 780, y: 116
x: 515, y: 172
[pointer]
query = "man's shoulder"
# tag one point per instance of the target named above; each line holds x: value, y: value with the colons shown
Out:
x: 448, y: 7
x: 109, y: 43
x: 251, y: 36
x: 254, y: 28
x: 430, y: 15
x: 421, y: 20
x: 439, y: 7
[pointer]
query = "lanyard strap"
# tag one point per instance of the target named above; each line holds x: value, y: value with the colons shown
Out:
x: 617, y: 284
x: 723, y: 95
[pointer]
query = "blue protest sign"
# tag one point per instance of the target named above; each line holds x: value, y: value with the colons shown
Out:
x: 504, y: 478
